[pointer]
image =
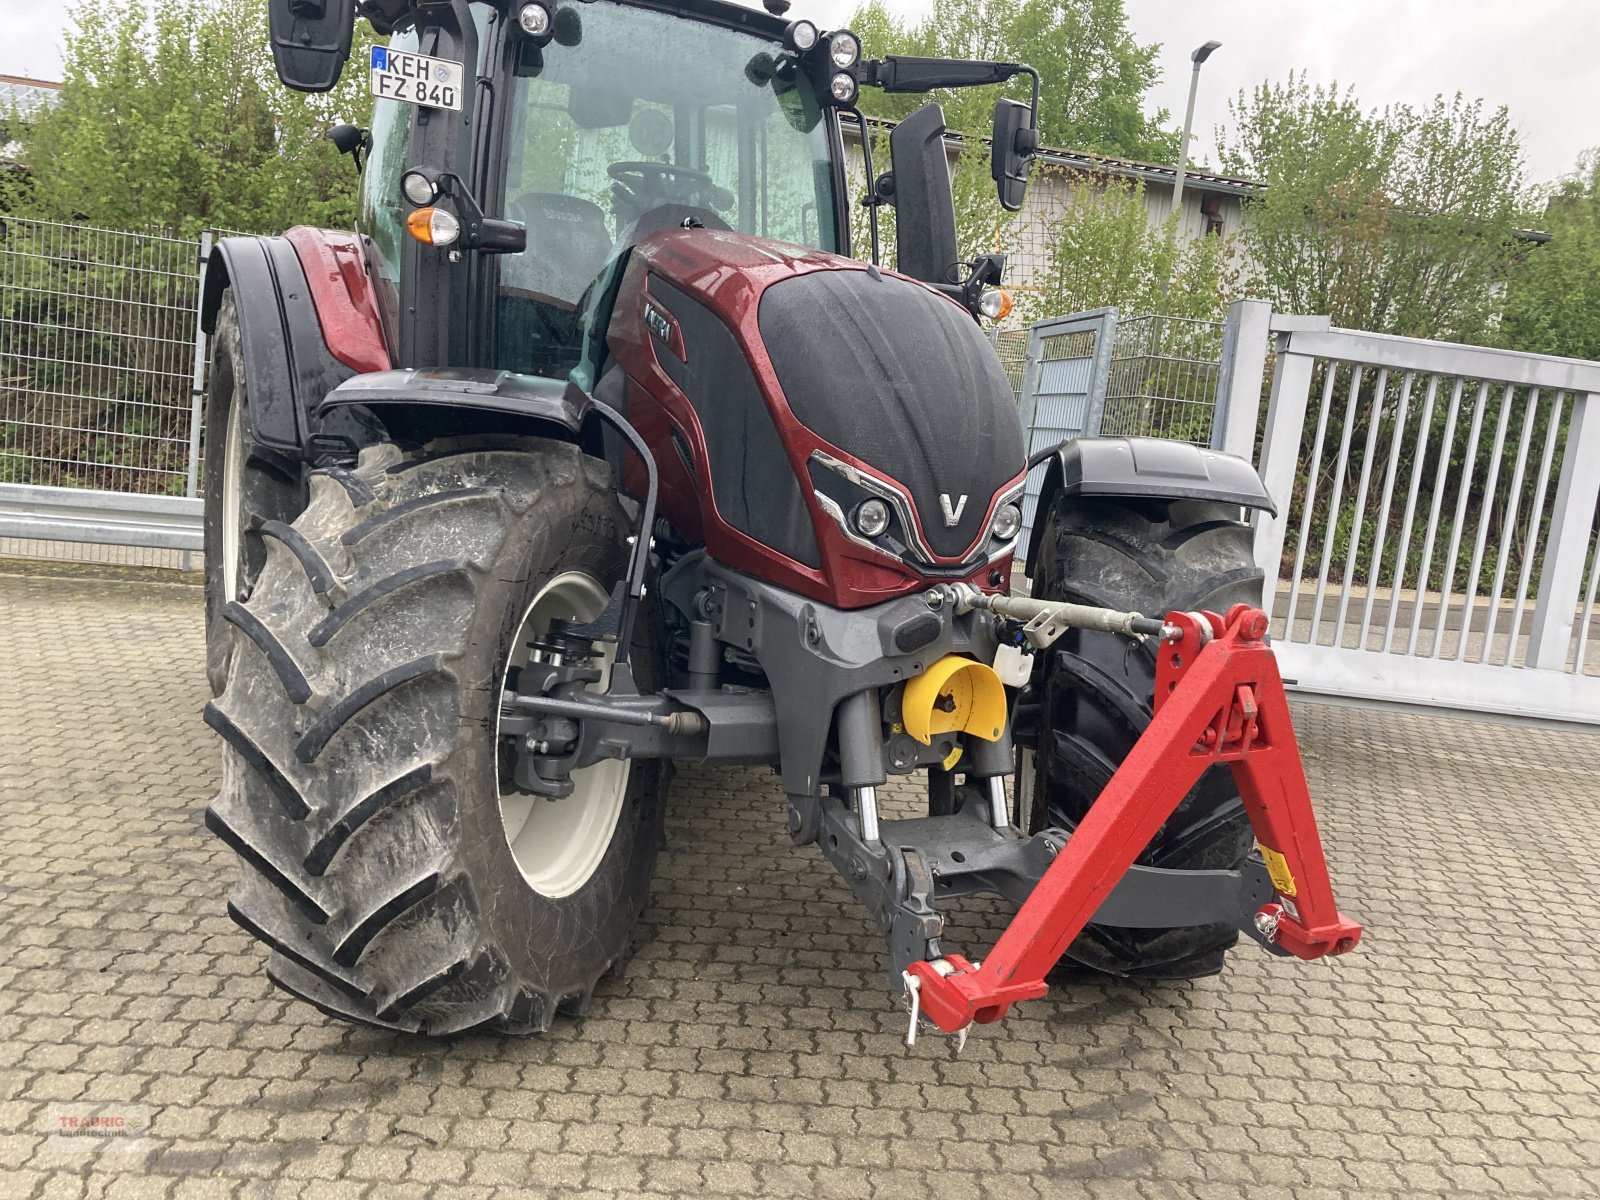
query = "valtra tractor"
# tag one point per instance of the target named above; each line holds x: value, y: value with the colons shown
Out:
x: 592, y: 449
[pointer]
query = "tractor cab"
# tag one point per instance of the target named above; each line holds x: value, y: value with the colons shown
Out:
x: 626, y: 122
x: 589, y: 126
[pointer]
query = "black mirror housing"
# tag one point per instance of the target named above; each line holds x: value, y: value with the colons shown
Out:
x: 493, y: 236
x: 310, y: 41
x: 1014, y: 141
x: 925, y: 211
x: 348, y: 138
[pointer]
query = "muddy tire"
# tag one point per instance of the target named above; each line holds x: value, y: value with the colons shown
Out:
x: 1153, y: 557
x: 244, y: 488
x: 362, y: 782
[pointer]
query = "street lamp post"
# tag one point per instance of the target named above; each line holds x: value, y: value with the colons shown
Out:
x: 1198, y: 57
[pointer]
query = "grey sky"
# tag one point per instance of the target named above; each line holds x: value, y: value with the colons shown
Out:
x: 1537, y: 57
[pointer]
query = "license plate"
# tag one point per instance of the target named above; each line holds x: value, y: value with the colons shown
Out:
x: 415, y: 78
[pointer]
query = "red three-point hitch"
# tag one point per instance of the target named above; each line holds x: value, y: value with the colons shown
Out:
x: 1219, y: 699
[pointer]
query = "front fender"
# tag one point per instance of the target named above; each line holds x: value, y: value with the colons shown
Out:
x: 285, y: 311
x: 551, y: 407
x: 1151, y: 468
x: 344, y: 296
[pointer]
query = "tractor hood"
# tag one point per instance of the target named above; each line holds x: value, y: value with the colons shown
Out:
x: 902, y: 380
x: 798, y: 386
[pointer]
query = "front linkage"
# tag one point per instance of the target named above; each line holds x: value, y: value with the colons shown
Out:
x: 1219, y: 699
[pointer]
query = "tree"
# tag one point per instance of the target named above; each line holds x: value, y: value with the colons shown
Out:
x: 1553, y: 302
x: 1101, y: 249
x: 1095, y: 74
x: 172, y: 117
x: 1400, y: 220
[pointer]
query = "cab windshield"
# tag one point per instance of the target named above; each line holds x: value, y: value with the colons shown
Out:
x: 632, y: 121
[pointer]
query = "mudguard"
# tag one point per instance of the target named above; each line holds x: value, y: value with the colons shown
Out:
x: 557, y: 408
x: 307, y: 322
x: 1148, y: 467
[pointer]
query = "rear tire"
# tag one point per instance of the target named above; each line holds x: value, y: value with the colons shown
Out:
x: 362, y: 779
x: 243, y: 490
x: 1153, y: 557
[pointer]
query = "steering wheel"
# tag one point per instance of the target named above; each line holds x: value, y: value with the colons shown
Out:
x: 659, y: 178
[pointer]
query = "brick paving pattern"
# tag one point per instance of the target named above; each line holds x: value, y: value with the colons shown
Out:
x: 751, y: 1049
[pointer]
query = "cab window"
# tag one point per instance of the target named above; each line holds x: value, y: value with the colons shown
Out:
x: 632, y: 121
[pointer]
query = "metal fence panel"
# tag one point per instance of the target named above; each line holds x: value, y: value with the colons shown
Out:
x: 1437, y: 538
x: 97, y: 346
x: 1163, y: 379
x: 1063, y: 385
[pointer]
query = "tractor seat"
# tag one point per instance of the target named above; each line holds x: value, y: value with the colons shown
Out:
x: 567, y: 245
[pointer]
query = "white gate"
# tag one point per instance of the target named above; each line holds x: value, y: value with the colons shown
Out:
x: 1436, y: 539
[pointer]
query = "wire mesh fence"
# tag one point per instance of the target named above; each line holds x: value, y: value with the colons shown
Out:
x: 1012, y: 347
x: 1163, y: 379
x: 97, y: 352
x: 97, y: 555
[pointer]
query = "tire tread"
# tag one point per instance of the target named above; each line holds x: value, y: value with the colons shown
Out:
x: 351, y: 867
x: 1152, y: 558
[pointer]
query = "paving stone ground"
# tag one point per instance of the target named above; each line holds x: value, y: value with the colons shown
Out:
x: 751, y: 1049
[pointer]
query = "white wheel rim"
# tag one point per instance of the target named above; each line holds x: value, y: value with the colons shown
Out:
x: 232, y: 486
x: 558, y: 844
x: 1022, y: 787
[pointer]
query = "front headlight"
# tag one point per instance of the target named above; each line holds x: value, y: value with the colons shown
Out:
x: 872, y: 517
x: 800, y: 36
x: 842, y: 87
x: 418, y: 188
x: 1007, y: 522
x: 536, y: 21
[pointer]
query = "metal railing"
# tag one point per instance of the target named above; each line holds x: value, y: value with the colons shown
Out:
x: 1163, y: 378
x: 101, y: 373
x: 1437, y: 536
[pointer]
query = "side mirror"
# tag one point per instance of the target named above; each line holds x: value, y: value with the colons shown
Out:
x: 1015, y: 139
x: 310, y: 41
x: 494, y: 236
x: 350, y: 139
x: 925, y: 212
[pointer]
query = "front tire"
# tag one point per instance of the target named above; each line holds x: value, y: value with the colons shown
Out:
x: 244, y: 488
x: 364, y: 789
x: 1153, y: 557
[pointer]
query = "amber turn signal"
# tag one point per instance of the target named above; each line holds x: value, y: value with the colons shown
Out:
x: 995, y: 304
x: 433, y: 226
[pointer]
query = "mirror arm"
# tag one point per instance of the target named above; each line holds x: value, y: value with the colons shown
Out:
x: 910, y: 73
x: 874, y: 196
x: 900, y: 73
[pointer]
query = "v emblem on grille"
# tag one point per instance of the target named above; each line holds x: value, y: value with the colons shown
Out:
x: 952, y: 512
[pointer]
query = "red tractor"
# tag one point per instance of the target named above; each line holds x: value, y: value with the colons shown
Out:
x: 593, y: 449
